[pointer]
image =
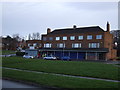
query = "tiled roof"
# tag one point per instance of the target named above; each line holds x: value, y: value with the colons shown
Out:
x: 77, y: 30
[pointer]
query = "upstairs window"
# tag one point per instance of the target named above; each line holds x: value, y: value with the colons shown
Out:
x: 98, y: 36
x: 64, y: 38
x: 57, y: 38
x: 80, y: 37
x: 29, y: 45
x: 47, y: 45
x: 89, y: 37
x: 50, y: 38
x: 60, y: 45
x: 94, y: 45
x: 44, y: 38
x: 76, y: 45
x: 72, y: 37
x: 34, y: 44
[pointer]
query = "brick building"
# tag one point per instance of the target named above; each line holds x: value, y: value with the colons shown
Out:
x: 36, y: 44
x: 85, y: 43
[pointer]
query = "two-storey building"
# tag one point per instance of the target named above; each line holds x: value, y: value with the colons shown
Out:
x: 85, y: 43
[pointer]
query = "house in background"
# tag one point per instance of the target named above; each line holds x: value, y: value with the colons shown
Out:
x: 33, y: 47
x: 85, y: 43
x: 8, y: 43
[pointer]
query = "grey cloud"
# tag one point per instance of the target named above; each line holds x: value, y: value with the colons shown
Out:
x: 98, y: 6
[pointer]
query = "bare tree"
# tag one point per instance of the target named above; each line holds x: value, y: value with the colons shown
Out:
x: 38, y: 36
x: 16, y: 36
x: 34, y: 36
x: 29, y: 37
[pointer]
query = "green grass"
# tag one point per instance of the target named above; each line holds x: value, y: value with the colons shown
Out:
x: 57, y: 81
x: 90, y: 69
x: 5, y: 52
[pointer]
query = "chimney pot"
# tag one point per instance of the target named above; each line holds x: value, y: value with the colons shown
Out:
x: 48, y: 30
x: 108, y: 27
x: 74, y: 26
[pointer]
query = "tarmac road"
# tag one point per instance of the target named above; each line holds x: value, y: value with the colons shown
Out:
x: 18, y: 85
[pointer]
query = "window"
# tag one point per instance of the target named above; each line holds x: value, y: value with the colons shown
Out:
x: 47, y: 45
x: 40, y: 45
x: 94, y: 45
x: 44, y: 38
x: 61, y: 45
x: 89, y: 37
x: 64, y: 38
x: 34, y: 44
x: 80, y: 37
x: 72, y: 37
x: 76, y: 45
x: 50, y: 38
x: 29, y: 44
x: 57, y: 38
x: 98, y: 36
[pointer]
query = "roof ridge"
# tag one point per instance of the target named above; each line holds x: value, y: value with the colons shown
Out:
x: 79, y: 27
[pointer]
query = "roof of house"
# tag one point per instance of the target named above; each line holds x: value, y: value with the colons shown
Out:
x: 77, y: 30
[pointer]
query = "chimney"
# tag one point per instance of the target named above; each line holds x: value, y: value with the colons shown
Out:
x: 74, y: 26
x: 48, y: 30
x: 108, y: 27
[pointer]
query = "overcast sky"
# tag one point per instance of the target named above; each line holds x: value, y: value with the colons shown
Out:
x: 29, y: 17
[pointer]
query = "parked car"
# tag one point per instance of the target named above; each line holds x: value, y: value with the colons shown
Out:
x: 50, y: 57
x: 28, y: 56
x: 65, y: 58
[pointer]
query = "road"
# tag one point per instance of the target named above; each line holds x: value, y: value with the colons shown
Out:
x: 12, y: 84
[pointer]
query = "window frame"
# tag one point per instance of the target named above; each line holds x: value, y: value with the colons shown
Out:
x: 72, y: 37
x: 57, y: 38
x: 94, y: 45
x: 89, y: 37
x: 76, y: 45
x: 98, y: 36
x: 44, y: 38
x: 80, y: 38
x: 64, y: 38
x: 61, y: 45
x: 51, y: 38
x: 47, y: 45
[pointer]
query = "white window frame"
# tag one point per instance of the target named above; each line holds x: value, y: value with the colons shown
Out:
x: 34, y: 44
x: 61, y: 45
x: 80, y: 37
x: 65, y: 38
x: 76, y: 45
x: 57, y: 38
x: 47, y: 45
x: 94, y: 45
x: 98, y: 36
x: 72, y: 37
x: 29, y: 44
x: 89, y: 37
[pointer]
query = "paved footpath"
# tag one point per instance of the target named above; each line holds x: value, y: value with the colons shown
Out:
x: 64, y: 75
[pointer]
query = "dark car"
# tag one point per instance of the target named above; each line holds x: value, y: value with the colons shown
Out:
x: 65, y: 58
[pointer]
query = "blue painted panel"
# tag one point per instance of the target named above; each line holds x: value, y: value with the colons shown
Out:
x: 81, y: 56
x: 66, y: 54
x: 58, y: 54
x: 73, y: 55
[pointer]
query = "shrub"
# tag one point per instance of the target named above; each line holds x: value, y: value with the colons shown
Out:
x: 117, y: 58
x: 20, y: 53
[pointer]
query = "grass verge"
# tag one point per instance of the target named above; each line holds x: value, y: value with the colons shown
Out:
x: 5, y: 52
x: 90, y: 69
x: 57, y: 81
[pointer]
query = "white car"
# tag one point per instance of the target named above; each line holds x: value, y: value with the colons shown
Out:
x: 50, y: 57
x: 28, y: 56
